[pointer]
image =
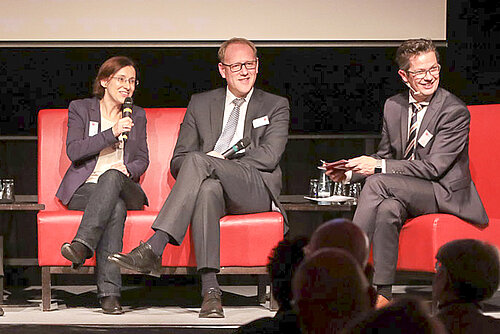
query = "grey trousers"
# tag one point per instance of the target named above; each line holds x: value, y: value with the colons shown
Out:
x: 105, y: 205
x: 206, y: 189
x: 385, y: 202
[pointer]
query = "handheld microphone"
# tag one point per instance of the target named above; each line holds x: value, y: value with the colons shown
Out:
x: 241, y: 144
x: 127, y: 112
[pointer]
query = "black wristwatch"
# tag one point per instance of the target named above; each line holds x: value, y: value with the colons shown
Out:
x: 378, y: 167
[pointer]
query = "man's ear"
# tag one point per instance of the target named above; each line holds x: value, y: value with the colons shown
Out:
x: 222, y: 70
x: 403, y: 75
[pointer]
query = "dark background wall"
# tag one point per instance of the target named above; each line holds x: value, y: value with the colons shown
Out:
x: 331, y: 90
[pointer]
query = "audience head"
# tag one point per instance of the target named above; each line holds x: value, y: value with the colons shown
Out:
x: 108, y: 69
x: 341, y: 233
x: 468, y: 270
x: 406, y: 315
x: 329, y: 289
x: 282, y: 265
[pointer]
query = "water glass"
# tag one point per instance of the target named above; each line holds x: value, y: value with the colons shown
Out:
x: 313, y: 188
x: 6, y: 190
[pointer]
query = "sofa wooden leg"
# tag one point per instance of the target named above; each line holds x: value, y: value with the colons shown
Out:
x: 46, y: 293
x: 261, y: 288
x: 273, y: 304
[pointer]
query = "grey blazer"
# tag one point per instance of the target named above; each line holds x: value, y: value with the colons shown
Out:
x: 444, y: 160
x: 202, y: 127
x: 83, y: 150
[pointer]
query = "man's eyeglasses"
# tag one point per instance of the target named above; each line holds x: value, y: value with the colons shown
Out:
x: 123, y: 80
x: 249, y: 65
x: 434, y: 71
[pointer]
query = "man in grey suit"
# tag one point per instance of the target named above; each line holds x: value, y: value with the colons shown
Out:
x: 422, y: 163
x: 209, y: 186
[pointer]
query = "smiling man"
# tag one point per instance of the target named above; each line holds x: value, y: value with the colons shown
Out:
x: 422, y: 162
x: 209, y: 186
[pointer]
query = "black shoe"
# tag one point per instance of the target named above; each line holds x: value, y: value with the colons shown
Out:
x: 141, y: 259
x: 1, y: 311
x: 76, y: 252
x: 110, y: 305
x: 211, y: 307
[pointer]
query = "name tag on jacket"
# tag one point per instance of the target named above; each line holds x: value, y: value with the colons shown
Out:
x: 424, y: 139
x: 261, y: 121
x: 93, y: 128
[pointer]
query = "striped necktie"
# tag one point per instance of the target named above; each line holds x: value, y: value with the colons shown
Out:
x: 412, y: 137
x: 230, y: 128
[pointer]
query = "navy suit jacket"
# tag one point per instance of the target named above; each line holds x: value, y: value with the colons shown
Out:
x: 83, y: 150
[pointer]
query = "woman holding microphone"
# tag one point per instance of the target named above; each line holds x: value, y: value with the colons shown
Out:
x: 108, y: 153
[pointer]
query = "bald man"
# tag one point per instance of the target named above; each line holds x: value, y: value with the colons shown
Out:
x: 330, y: 289
x: 341, y: 233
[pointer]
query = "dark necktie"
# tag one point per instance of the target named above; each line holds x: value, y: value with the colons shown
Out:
x: 412, y: 137
x: 230, y: 128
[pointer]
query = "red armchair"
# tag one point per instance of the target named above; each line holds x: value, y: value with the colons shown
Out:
x: 421, y: 237
x: 246, y: 240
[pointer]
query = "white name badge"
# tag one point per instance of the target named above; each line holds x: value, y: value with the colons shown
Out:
x: 424, y: 139
x: 93, y: 128
x: 261, y: 121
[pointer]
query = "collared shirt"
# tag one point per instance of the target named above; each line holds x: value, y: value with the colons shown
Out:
x: 228, y: 107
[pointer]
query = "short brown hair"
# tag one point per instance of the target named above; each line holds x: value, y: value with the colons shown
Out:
x: 222, y: 49
x: 411, y: 48
x: 107, y: 69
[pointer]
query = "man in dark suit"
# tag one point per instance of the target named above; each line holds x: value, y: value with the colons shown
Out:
x: 208, y: 186
x: 422, y: 163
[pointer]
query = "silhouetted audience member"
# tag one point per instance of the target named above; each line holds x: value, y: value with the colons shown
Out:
x: 404, y: 315
x: 282, y: 264
x: 342, y: 233
x: 467, y: 273
x: 330, y: 289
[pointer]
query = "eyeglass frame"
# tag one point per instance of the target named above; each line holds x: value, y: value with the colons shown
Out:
x: 131, y: 81
x: 416, y: 74
x: 438, y: 265
x: 256, y: 61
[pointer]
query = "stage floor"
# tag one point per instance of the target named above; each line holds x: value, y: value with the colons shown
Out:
x: 150, y: 309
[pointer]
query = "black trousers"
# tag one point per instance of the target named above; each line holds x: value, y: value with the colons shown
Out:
x: 206, y: 189
x: 105, y: 206
x: 385, y: 202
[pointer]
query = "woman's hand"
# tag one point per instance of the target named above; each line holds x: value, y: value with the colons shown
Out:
x: 124, y: 124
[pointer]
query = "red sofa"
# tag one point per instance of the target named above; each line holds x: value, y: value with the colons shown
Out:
x: 421, y: 237
x: 246, y: 240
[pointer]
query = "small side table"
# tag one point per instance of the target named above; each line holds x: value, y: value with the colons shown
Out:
x: 299, y: 203
x: 21, y: 203
x: 305, y: 216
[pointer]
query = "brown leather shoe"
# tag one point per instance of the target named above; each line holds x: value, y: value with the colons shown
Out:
x: 111, y: 305
x: 381, y: 302
x: 212, y: 305
x: 141, y: 259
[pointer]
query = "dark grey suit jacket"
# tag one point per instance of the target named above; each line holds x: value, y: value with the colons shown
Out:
x: 445, y: 158
x: 202, y: 127
x: 83, y: 150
